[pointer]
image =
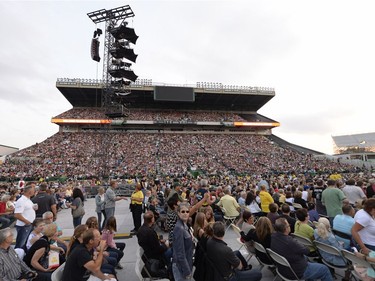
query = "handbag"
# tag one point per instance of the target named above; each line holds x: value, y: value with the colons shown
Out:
x: 79, y: 211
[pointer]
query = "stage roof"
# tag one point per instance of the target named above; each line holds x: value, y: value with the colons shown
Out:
x: 208, y: 96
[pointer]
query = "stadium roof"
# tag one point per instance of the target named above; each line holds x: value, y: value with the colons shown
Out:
x: 357, y: 140
x: 215, y: 96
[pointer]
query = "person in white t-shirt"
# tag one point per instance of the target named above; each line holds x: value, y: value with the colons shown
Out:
x: 25, y: 214
x: 363, y: 230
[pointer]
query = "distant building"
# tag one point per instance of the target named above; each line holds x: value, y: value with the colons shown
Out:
x: 6, y: 150
x: 356, y: 148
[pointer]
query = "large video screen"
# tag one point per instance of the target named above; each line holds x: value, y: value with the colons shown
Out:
x: 166, y: 93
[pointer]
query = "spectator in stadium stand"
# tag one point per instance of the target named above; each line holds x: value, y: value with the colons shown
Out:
x: 286, y: 246
x: 11, y: 266
x: 45, y: 202
x: 137, y: 207
x: 333, y: 198
x: 265, y: 199
x: 110, y: 199
x: 302, y: 226
x: 352, y: 192
x: 273, y: 215
x: 25, y: 214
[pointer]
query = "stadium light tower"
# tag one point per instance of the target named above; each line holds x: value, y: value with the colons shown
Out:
x: 117, y: 51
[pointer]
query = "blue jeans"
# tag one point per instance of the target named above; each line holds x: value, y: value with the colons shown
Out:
x: 22, y: 234
x: 315, y: 271
x: 371, y: 247
x: 109, y: 212
x: 177, y: 274
x: 77, y: 221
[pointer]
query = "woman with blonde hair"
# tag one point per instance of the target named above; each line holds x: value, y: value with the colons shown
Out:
x: 323, y: 234
x: 199, y: 225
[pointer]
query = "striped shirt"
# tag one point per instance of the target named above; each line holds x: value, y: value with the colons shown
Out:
x: 11, y: 266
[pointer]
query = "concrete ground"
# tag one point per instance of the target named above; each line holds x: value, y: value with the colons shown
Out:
x: 124, y: 225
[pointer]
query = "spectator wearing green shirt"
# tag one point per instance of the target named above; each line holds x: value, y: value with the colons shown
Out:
x: 332, y: 199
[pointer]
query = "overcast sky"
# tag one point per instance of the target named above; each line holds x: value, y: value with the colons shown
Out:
x: 318, y: 55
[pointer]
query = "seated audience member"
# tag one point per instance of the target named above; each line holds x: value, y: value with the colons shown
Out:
x: 285, y: 213
x: 225, y: 260
x: 252, y: 204
x: 11, y: 266
x: 299, y: 200
x: 81, y: 261
x: 230, y: 204
x: 302, y: 226
x: 58, y: 243
x: 286, y: 246
x: 282, y: 196
x: 313, y: 213
x: 273, y: 215
x: 248, y: 220
x: 200, y: 262
x: 344, y: 224
x: 112, y: 246
x: 37, y: 256
x: 209, y: 214
x: 76, y: 239
x: 36, y: 233
x: 323, y: 234
x: 154, y: 248
x: 289, y: 199
x: 262, y: 235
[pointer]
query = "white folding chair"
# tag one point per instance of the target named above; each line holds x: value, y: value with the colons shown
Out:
x: 228, y: 220
x: 322, y: 247
x: 237, y: 230
x: 281, y: 261
x: 140, y: 266
x: 57, y: 274
x: 356, y: 261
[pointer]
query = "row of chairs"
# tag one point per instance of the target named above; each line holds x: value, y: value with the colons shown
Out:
x: 348, y: 257
x: 141, y: 268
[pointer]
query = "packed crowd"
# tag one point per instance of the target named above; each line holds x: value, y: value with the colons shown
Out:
x: 89, y: 154
x: 335, y: 210
x: 99, y: 113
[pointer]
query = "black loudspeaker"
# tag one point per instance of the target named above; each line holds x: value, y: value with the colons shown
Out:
x: 95, y: 50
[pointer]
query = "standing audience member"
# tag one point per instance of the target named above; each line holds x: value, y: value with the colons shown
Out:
x: 110, y: 199
x: 332, y: 199
x: 25, y: 214
x: 363, y: 230
x: 352, y: 192
x: 226, y: 262
x: 77, y: 207
x: 265, y: 199
x: 137, y: 207
x: 100, y: 207
x: 45, y: 201
x: 295, y: 253
x: 182, y: 265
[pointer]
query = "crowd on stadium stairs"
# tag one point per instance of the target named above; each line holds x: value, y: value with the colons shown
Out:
x: 195, y: 213
x: 157, y: 115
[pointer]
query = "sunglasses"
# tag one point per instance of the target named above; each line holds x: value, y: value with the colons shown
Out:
x: 184, y: 212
